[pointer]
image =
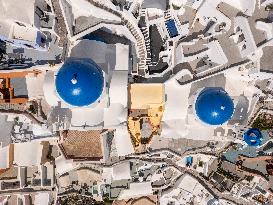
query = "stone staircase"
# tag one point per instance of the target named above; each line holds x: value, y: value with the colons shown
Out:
x: 140, y: 46
x: 145, y: 32
x: 134, y: 30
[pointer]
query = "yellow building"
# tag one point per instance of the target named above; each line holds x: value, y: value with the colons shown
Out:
x: 146, y: 106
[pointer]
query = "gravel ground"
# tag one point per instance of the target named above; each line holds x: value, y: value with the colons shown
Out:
x: 60, y: 27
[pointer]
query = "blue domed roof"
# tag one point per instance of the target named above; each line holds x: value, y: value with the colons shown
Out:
x: 253, y: 137
x: 214, y: 106
x: 79, y: 82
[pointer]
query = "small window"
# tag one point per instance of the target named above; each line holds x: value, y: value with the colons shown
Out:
x: 43, y: 40
x: 20, y: 24
x: 29, y: 46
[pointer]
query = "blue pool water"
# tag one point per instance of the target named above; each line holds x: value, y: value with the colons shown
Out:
x: 173, y: 32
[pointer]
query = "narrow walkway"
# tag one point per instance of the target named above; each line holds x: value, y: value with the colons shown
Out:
x: 60, y: 27
x: 20, y: 112
x: 134, y: 30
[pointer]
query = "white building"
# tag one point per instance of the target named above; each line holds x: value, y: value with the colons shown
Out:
x: 136, y: 190
x: 117, y: 172
x: 186, y: 190
x: 180, y: 119
x: 32, y: 154
x: 22, y: 28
